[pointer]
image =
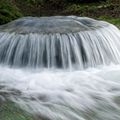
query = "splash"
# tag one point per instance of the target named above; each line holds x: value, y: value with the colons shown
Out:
x: 92, y: 94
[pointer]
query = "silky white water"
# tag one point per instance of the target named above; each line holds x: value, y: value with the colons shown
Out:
x: 61, y: 68
x: 92, y: 94
x: 59, y: 42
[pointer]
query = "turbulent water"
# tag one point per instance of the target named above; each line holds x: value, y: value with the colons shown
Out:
x: 92, y: 94
x: 61, y: 68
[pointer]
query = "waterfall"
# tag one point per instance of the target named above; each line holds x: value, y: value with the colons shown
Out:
x: 61, y: 68
x: 59, y: 42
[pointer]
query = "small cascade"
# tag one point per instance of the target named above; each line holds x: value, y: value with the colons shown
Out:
x: 77, y: 75
x: 59, y: 42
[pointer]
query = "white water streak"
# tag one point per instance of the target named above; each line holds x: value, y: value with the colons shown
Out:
x: 73, y: 50
x: 92, y: 94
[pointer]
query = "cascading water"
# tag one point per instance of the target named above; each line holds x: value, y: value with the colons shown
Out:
x: 61, y: 68
x: 59, y: 42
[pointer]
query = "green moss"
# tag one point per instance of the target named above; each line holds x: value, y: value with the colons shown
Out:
x: 115, y: 21
x: 95, y: 10
x: 8, y: 11
x: 10, y: 111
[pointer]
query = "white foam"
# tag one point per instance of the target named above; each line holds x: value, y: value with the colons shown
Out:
x: 80, y: 95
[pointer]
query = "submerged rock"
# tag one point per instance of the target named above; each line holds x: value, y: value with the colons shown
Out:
x: 10, y: 111
x: 59, y: 42
x: 51, y: 25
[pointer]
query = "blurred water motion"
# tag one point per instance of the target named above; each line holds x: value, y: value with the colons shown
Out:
x: 92, y: 94
x: 61, y: 68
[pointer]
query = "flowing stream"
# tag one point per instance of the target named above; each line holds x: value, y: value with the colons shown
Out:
x: 68, y: 72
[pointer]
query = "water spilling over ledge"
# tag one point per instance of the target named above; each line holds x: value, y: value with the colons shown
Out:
x: 67, y: 43
x: 59, y: 42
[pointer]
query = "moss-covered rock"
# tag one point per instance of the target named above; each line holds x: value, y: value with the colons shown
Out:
x: 115, y: 21
x: 10, y: 111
